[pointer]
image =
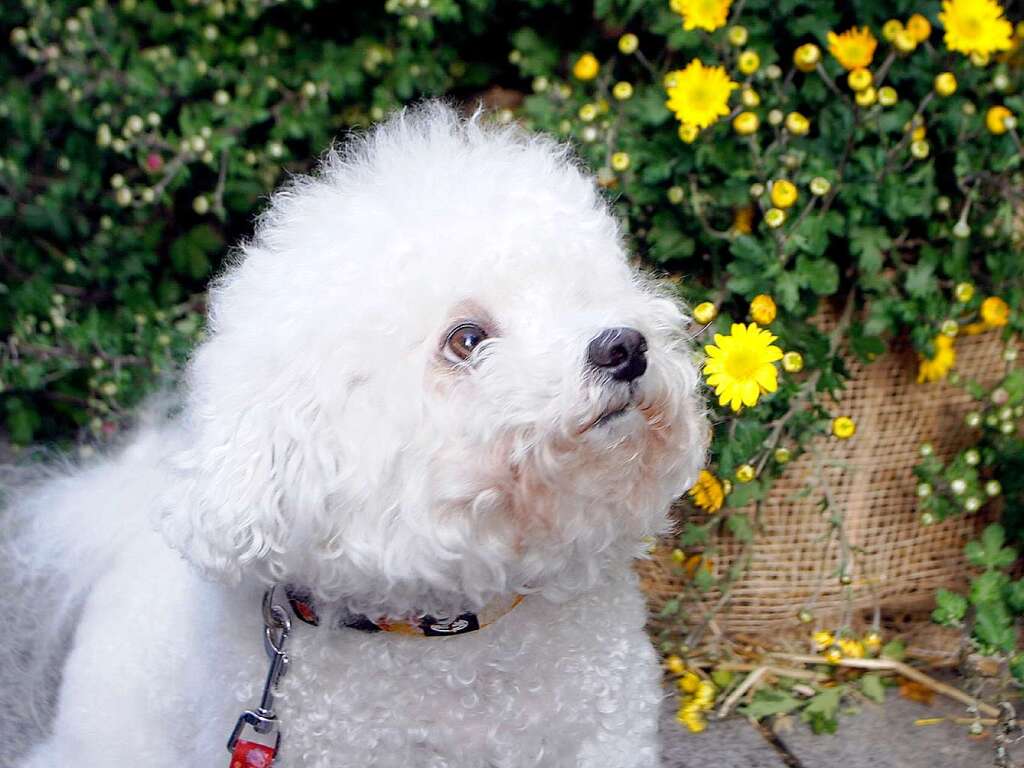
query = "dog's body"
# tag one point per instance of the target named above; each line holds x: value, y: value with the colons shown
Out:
x: 431, y: 383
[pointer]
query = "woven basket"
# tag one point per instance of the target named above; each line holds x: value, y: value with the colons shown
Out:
x: 900, y: 562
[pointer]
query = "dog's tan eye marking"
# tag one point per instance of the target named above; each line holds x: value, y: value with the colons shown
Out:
x: 461, y: 342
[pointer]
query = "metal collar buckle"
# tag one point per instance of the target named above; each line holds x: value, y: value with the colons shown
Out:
x: 263, y: 720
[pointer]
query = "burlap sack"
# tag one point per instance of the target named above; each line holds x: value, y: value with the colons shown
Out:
x: 899, y: 562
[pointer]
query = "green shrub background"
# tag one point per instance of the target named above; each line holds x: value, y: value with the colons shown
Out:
x: 139, y: 139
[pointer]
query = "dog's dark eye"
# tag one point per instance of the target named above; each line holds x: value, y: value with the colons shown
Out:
x: 462, y: 340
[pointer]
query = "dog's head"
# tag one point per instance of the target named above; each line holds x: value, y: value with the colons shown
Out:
x: 433, y: 368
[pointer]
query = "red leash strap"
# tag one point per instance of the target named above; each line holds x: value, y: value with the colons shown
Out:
x: 249, y: 754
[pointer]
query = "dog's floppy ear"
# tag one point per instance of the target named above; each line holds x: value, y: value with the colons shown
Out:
x: 252, y: 454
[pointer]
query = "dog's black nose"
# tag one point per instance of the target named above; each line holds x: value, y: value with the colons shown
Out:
x: 622, y: 352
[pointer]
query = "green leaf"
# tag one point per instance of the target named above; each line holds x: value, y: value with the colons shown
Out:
x: 768, y: 702
x: 920, y: 280
x: 822, y: 709
x: 895, y: 650
x: 989, y: 551
x: 871, y: 686
x: 951, y: 607
x: 740, y: 526
x: 869, y: 243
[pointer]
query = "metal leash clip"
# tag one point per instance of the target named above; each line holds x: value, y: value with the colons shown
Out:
x: 246, y: 752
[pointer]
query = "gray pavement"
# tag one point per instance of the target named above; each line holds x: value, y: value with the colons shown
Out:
x: 873, y: 736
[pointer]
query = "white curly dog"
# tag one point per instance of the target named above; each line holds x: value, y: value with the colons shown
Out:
x: 438, y: 410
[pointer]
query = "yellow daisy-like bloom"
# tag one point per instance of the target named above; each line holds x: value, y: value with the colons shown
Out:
x: 995, y: 312
x: 763, y: 309
x: 919, y: 27
x: 822, y: 639
x: 702, y: 14
x: 843, y: 427
x: 699, y: 95
x: 853, y: 649
x: 938, y: 367
x: 741, y: 367
x: 854, y: 48
x: 586, y: 67
x: 689, y: 682
x: 708, y: 493
x: 675, y: 665
x: 975, y: 26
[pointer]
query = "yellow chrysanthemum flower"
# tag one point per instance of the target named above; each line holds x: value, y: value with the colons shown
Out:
x: 938, y: 367
x: 822, y: 639
x: 854, y: 48
x: 702, y: 14
x: 851, y: 648
x: 975, y: 26
x: 741, y: 365
x: 995, y: 312
x: 708, y: 493
x: 699, y: 95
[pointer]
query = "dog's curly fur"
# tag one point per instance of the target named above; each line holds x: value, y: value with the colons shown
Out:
x: 325, y: 440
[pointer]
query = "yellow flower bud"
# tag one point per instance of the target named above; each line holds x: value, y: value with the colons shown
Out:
x: 748, y: 62
x: 919, y: 28
x: 783, y: 456
x: 891, y: 28
x: 628, y: 43
x: 920, y: 149
x: 792, y: 362
x: 745, y: 473
x: 820, y: 186
x: 763, y: 309
x: 859, y: 79
x: 675, y: 665
x: 833, y: 655
x: 688, y: 133
x: 750, y: 98
x: 586, y: 67
x: 867, y: 97
x: 797, y: 124
x: 843, y: 427
x: 705, y: 312
x: 806, y: 57
x: 738, y: 35
x: 774, y: 217
x: 746, y: 123
x: 998, y: 119
x: 964, y: 292
x: 873, y: 641
x: 784, y: 193
x: 904, y: 42
x: 945, y: 84
x: 620, y: 161
x: 887, y: 96
x: 622, y: 91
x: 587, y: 113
